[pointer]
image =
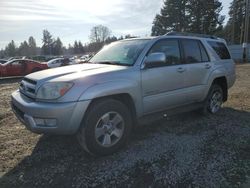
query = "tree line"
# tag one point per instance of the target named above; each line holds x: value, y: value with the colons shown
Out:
x: 100, y: 35
x: 199, y: 16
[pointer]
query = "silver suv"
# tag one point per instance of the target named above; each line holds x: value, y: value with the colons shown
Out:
x: 128, y: 82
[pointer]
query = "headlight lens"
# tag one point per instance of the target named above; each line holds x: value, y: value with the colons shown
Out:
x: 53, y: 90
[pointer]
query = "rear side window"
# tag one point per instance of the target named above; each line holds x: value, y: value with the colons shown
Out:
x: 204, y: 56
x: 220, y: 49
x: 194, y: 51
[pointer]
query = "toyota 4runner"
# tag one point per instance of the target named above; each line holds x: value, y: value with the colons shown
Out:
x: 128, y: 82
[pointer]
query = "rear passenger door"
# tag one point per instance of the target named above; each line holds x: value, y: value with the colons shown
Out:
x: 198, y: 67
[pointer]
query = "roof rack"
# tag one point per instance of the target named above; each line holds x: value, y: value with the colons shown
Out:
x: 174, y: 33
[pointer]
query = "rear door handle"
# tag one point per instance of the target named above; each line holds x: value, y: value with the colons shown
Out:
x: 180, y: 69
x: 207, y: 66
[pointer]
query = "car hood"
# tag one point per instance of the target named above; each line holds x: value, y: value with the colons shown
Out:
x: 73, y: 72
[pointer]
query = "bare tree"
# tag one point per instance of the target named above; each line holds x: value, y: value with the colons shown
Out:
x: 99, y: 34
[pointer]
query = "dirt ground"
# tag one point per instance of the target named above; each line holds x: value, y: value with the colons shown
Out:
x: 188, y: 150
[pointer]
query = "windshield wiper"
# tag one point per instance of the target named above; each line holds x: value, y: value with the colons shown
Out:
x: 109, y: 62
x: 112, y: 63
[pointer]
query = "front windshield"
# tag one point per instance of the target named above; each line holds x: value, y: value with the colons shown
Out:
x: 121, y: 53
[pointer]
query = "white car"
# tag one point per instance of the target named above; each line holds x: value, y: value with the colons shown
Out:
x: 85, y: 57
x: 58, y: 62
x: 55, y: 62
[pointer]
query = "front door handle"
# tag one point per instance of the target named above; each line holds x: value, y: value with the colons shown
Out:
x: 180, y: 69
x: 207, y: 66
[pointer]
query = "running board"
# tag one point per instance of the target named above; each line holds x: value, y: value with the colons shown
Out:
x: 150, y: 118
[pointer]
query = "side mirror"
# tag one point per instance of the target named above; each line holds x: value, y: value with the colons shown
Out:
x: 155, y: 60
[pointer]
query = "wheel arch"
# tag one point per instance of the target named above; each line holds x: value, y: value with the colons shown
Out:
x: 222, y: 82
x: 124, y: 98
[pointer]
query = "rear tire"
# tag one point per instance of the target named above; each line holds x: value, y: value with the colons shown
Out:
x: 105, y: 128
x: 214, y: 100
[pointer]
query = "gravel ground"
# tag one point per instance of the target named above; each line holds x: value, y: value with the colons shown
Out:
x: 188, y: 150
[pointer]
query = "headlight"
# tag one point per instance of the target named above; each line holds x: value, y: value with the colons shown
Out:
x: 53, y: 90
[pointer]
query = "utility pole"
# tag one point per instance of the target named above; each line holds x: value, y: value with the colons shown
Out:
x: 234, y: 19
x: 246, y: 31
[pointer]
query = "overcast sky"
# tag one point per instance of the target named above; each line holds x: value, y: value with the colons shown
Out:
x: 73, y: 19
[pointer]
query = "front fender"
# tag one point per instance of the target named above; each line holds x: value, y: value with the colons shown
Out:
x: 114, y: 88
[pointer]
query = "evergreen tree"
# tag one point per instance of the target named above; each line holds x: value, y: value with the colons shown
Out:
x: 205, y: 16
x: 23, y: 49
x: 120, y: 38
x: 110, y: 39
x: 47, y: 43
x: 173, y: 17
x: 80, y: 48
x: 32, y: 46
x: 76, y: 48
x: 70, y: 49
x: 11, y: 49
x: 2, y: 53
x: 197, y: 16
x: 234, y: 30
x: 57, y: 47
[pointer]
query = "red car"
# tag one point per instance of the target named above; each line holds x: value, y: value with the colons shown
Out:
x: 20, y: 67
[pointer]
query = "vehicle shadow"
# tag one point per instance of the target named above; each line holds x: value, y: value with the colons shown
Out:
x: 59, y: 161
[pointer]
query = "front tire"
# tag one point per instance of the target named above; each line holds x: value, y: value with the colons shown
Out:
x: 214, y: 100
x: 105, y: 127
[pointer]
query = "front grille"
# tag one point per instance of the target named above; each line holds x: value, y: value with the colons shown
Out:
x: 28, y: 88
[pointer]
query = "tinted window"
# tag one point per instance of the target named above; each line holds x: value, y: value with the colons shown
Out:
x: 204, y: 56
x: 220, y: 49
x: 170, y: 48
x: 192, y: 51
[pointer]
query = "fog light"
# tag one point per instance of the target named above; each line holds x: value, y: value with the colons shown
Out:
x: 45, y: 122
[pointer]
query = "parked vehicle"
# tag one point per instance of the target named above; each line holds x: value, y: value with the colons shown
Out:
x: 128, y: 82
x: 2, y: 61
x: 58, y: 62
x: 55, y: 62
x: 20, y: 67
x: 85, y: 58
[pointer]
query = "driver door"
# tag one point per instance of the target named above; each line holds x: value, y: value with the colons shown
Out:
x: 162, y: 87
x: 15, y: 68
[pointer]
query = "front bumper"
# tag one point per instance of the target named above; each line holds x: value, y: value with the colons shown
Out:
x: 68, y: 116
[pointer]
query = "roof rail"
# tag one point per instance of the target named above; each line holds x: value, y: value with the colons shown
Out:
x: 174, y: 33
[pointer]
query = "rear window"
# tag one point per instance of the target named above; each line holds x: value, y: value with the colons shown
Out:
x: 220, y: 49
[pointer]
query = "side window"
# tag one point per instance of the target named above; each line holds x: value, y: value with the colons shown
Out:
x: 16, y: 63
x: 204, y: 55
x: 220, y: 49
x: 55, y: 62
x: 192, y: 51
x: 171, y: 49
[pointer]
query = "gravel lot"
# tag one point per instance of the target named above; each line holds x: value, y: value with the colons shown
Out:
x: 187, y: 150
